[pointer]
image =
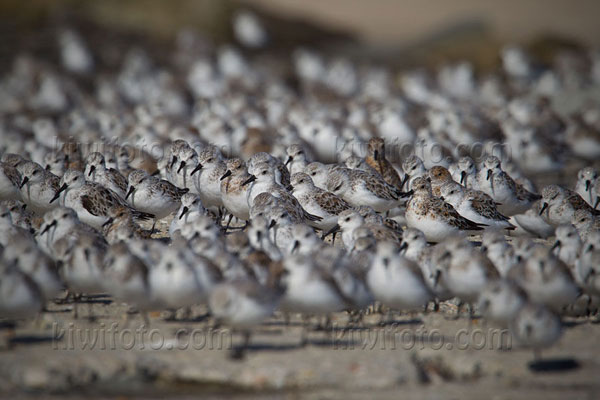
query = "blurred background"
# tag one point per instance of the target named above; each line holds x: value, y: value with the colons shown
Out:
x: 403, y: 32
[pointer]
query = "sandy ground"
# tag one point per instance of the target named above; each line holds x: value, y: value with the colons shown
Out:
x: 427, y: 355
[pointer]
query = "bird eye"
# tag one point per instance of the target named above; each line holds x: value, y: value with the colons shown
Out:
x: 413, y: 168
x: 313, y: 174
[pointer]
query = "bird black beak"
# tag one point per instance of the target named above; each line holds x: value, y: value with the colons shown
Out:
x: 181, y: 166
x: 184, y: 211
x: 406, y: 194
x: 375, y: 154
x: 130, y: 192
x: 92, y: 169
x: 173, y: 161
x: 226, y: 174
x: 196, y: 169
x: 403, y: 247
x: 289, y: 160
x: 296, y: 245
x: 108, y: 222
x: 47, y: 228
x: 463, y: 176
x: 272, y: 224
x: 334, y: 229
x: 556, y: 245
x: 249, y: 180
x: 544, y: 206
x: 489, y: 174
x: 587, y: 185
x: 24, y: 182
x: 58, y: 192
x: 404, y: 180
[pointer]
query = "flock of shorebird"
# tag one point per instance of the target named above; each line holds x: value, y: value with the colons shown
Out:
x: 285, y: 197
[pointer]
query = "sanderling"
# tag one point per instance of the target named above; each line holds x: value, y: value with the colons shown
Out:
x: 350, y: 220
x: 120, y: 226
x: 174, y: 281
x: 82, y: 263
x: 474, y: 205
x: 587, y: 270
x: 96, y: 171
x: 210, y: 169
x: 297, y: 159
x: 558, y: 205
x: 233, y: 193
x: 153, y: 195
x: 372, y: 217
x: 10, y: 180
x: 585, y: 222
x: 319, y: 173
x: 90, y: 200
x: 377, y: 160
x: 317, y: 201
x: 280, y: 172
x: 56, y: 162
x: 396, y: 281
x: 19, y: 214
x: 498, y: 250
x: 545, y: 278
x: 501, y: 300
x: 37, y: 187
x: 438, y: 176
x: 413, y: 168
x: 466, y: 173
x: 512, y: 198
x: 537, y: 327
x: 434, y: 217
x: 243, y: 304
x: 304, y: 240
x: 20, y: 297
x: 60, y: 223
x: 359, y: 188
x: 190, y: 210
x: 264, y: 203
x: 126, y: 278
x: 180, y: 173
x: 9, y: 231
x: 567, y: 245
x: 532, y: 222
x: 354, y: 162
x: 36, y: 264
x: 123, y: 159
x: 466, y: 270
x: 586, y: 186
x: 264, y: 181
x: 258, y: 234
x: 310, y: 289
